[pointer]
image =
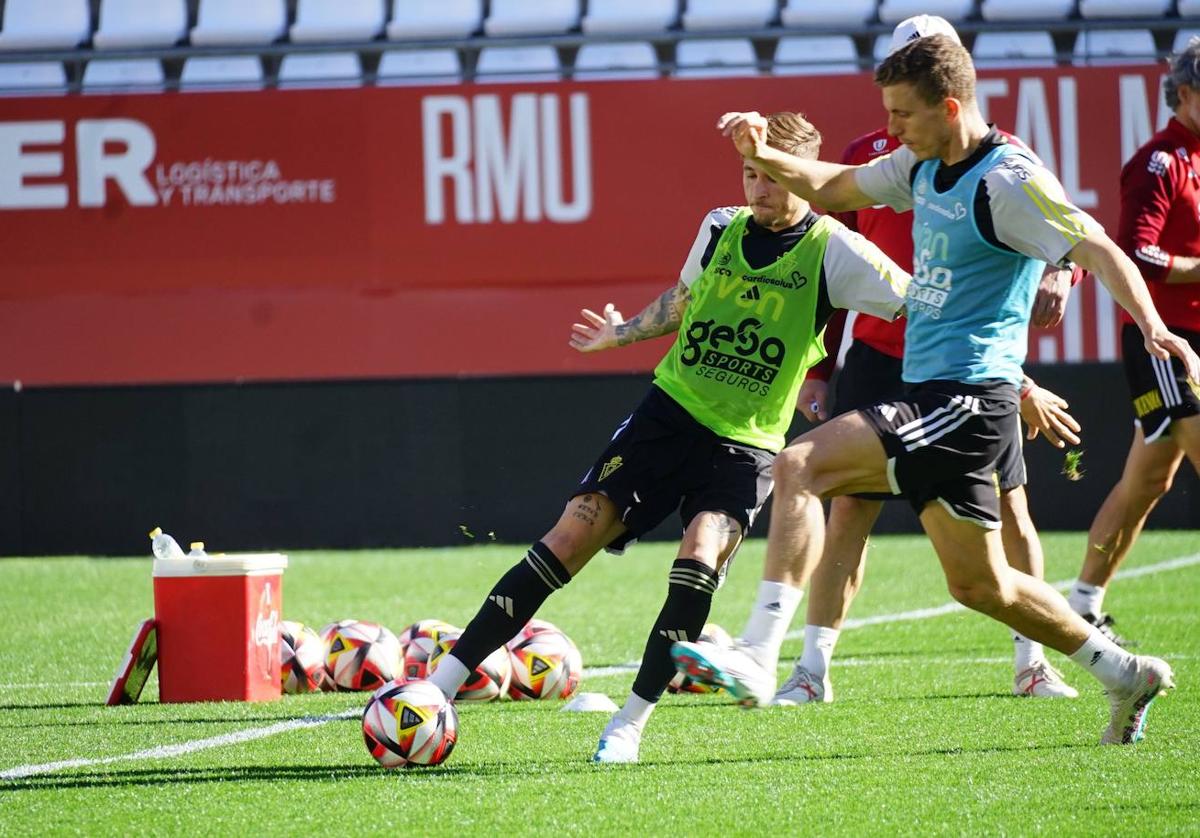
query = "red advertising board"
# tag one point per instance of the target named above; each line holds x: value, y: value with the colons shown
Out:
x: 395, y: 232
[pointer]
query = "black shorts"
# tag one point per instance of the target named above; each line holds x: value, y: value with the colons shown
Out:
x: 661, y: 460
x: 869, y: 377
x: 1160, y: 389
x: 944, y: 441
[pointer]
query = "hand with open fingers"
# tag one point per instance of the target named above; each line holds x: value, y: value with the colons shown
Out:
x: 812, y: 398
x: 1163, y: 344
x: 748, y: 130
x: 1045, y: 411
x: 599, y: 332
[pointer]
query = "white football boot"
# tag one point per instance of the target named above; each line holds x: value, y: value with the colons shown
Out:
x: 1042, y: 681
x: 803, y: 687
x: 619, y: 743
x: 1151, y: 678
x: 733, y: 668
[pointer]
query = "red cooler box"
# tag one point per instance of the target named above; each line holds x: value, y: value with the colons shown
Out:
x: 218, y: 627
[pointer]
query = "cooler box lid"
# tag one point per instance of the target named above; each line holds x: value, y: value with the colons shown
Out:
x: 220, y: 564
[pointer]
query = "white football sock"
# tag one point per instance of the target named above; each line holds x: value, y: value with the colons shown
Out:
x: 769, y: 620
x: 1026, y: 652
x: 818, y: 649
x: 450, y: 674
x: 636, y: 710
x: 1086, y: 599
x: 1111, y: 664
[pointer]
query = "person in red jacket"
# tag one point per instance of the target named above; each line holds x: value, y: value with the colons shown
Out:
x: 1160, y: 230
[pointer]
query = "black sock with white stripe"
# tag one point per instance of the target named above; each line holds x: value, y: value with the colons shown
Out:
x: 689, y: 598
x: 517, y: 597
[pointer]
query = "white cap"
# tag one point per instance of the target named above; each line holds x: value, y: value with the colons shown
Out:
x: 921, y: 26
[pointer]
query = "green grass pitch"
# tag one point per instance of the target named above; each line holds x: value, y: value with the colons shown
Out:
x: 924, y: 738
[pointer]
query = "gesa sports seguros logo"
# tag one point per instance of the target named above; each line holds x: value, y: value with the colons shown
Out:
x: 738, y: 355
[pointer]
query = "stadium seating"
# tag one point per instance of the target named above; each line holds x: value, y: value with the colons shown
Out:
x: 325, y: 69
x: 239, y: 22
x: 420, y: 66
x: 994, y: 49
x: 847, y: 13
x: 518, y: 64
x: 32, y: 76
x: 219, y: 72
x: 520, y: 17
x: 444, y: 19
x: 1182, y: 37
x: 1026, y: 9
x: 721, y: 14
x: 1113, y: 46
x: 883, y: 43
x: 134, y: 73
x: 1123, y: 8
x: 894, y: 11
x: 622, y: 60
x: 337, y: 20
x: 608, y: 16
x: 715, y: 58
x: 140, y: 23
x: 45, y: 24
x: 810, y: 55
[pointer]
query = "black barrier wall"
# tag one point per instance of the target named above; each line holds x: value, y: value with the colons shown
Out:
x: 397, y: 463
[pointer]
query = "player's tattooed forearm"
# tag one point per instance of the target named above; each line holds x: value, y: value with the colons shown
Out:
x: 659, y: 318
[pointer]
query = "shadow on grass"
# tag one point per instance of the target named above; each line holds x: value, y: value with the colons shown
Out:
x: 115, y: 722
x: 51, y: 705
x: 335, y: 773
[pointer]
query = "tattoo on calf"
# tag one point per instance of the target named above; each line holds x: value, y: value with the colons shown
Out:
x: 587, y: 509
x: 722, y: 523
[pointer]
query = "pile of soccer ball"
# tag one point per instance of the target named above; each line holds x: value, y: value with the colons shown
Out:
x: 407, y: 721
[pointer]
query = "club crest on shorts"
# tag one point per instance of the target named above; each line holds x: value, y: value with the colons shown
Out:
x: 612, y: 465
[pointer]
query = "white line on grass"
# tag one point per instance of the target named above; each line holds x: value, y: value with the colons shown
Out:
x: 953, y: 607
x: 168, y: 751
x: 936, y: 611
x: 250, y: 734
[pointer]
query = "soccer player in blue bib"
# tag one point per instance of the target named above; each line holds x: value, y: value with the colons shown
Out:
x: 987, y: 217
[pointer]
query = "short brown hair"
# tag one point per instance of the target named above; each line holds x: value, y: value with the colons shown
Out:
x: 791, y: 132
x: 937, y: 67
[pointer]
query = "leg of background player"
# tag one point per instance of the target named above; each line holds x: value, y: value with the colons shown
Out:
x: 834, y: 584
x: 978, y: 577
x: 1033, y: 674
x: 1149, y: 471
x: 845, y: 455
x: 708, y: 542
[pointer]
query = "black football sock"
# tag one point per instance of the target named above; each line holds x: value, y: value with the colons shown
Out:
x: 689, y: 598
x: 517, y: 597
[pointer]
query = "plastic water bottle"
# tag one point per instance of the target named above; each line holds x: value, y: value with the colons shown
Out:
x: 197, y: 551
x: 163, y: 546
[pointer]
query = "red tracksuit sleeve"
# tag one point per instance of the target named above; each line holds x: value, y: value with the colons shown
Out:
x: 1149, y: 184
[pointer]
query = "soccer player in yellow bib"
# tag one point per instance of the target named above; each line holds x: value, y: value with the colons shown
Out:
x: 752, y: 299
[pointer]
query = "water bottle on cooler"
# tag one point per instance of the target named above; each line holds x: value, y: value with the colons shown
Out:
x: 197, y: 550
x: 163, y: 546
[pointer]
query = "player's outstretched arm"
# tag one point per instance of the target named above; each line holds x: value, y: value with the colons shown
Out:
x: 1100, y: 255
x: 609, y: 329
x: 830, y: 186
x: 1046, y: 412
